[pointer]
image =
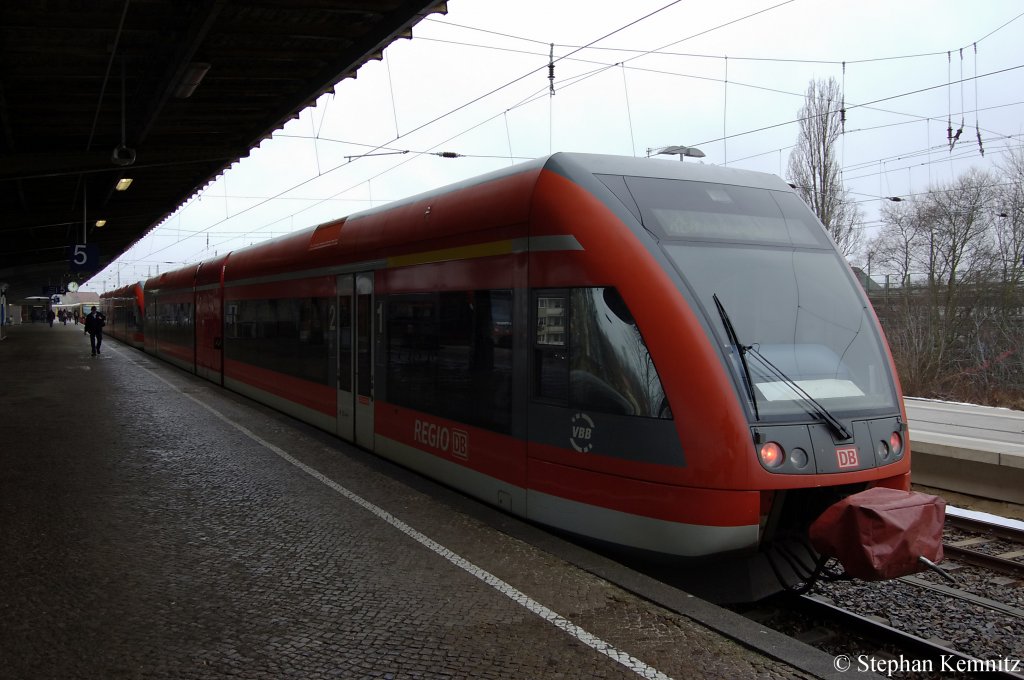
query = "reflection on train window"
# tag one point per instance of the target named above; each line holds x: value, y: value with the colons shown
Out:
x: 551, y: 321
x: 364, y: 314
x: 606, y: 366
x: 450, y: 354
x: 287, y: 335
x: 550, y: 355
x: 125, y: 314
x: 344, y: 330
x: 174, y: 323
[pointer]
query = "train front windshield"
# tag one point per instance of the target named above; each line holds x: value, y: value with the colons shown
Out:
x: 784, y: 288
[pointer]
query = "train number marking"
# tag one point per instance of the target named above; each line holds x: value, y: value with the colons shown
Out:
x: 582, y: 433
x: 847, y: 457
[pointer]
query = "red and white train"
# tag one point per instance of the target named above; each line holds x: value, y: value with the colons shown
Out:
x: 664, y: 356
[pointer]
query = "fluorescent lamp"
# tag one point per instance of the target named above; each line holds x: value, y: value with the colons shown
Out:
x: 123, y: 183
x: 101, y: 223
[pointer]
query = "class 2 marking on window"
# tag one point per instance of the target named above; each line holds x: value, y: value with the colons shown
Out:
x: 582, y: 433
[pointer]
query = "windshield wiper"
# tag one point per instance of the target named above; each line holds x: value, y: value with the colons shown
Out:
x: 748, y: 382
x: 802, y: 393
x: 820, y: 410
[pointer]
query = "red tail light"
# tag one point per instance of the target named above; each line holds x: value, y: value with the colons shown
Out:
x: 896, y: 444
x: 771, y: 454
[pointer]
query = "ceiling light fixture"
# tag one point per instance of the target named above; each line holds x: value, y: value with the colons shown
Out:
x: 123, y: 183
x: 101, y: 223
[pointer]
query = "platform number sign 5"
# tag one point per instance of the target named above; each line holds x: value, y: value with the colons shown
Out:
x: 85, y: 258
x: 847, y: 457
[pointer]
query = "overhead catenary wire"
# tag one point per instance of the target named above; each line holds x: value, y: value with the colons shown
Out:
x: 527, y: 100
x: 862, y: 105
x: 661, y: 51
x: 531, y: 72
x: 622, y: 65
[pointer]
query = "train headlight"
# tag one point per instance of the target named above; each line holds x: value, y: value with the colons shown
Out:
x: 896, y: 444
x: 883, y: 449
x: 771, y: 454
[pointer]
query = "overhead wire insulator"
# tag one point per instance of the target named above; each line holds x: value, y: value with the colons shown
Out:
x: 977, y: 128
x: 551, y: 70
x: 842, y: 110
x: 960, y: 130
x: 949, y: 100
x: 448, y: 154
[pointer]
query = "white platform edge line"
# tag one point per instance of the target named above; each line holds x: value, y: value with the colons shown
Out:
x: 592, y: 641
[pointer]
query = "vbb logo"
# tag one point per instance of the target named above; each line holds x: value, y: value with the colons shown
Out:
x: 582, y: 433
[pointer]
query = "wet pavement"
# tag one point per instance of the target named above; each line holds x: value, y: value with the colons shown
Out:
x: 153, y: 525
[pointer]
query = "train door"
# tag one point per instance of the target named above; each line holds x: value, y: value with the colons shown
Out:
x: 346, y: 392
x: 355, y: 358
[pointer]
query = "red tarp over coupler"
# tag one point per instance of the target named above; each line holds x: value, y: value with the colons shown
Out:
x: 880, y: 533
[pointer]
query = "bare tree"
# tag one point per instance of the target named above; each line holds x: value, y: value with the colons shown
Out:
x: 946, y: 328
x: 896, y: 247
x: 814, y: 165
x: 1009, y: 227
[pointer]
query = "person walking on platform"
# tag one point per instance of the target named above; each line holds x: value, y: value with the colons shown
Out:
x: 50, y: 316
x: 94, y: 323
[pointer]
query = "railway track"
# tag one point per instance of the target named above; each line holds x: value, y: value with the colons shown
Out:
x: 967, y: 549
x: 916, y: 654
x: 920, y: 625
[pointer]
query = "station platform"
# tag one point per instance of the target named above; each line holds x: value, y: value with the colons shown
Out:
x: 966, y: 448
x: 154, y: 525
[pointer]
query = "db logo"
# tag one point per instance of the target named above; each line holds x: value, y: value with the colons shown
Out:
x: 460, y: 444
x: 847, y: 457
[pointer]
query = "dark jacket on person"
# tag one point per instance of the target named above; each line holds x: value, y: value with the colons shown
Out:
x: 94, y: 322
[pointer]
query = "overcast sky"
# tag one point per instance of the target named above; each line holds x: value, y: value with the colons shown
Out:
x: 727, y: 77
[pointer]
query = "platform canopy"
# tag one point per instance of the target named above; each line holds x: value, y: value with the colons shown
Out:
x: 167, y: 93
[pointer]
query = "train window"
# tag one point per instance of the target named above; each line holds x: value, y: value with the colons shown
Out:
x: 412, y: 350
x: 605, y: 365
x: 174, y: 321
x: 551, y: 360
x: 364, y: 321
x: 551, y: 321
x: 803, y: 311
x: 344, y: 330
x: 450, y: 354
x: 287, y: 335
x: 722, y: 212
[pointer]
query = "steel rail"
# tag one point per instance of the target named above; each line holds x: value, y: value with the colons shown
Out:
x: 939, y: 655
x: 981, y: 526
x: 994, y: 562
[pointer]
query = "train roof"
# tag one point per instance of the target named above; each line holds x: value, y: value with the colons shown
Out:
x: 573, y: 164
x: 394, y: 225
x: 577, y: 166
